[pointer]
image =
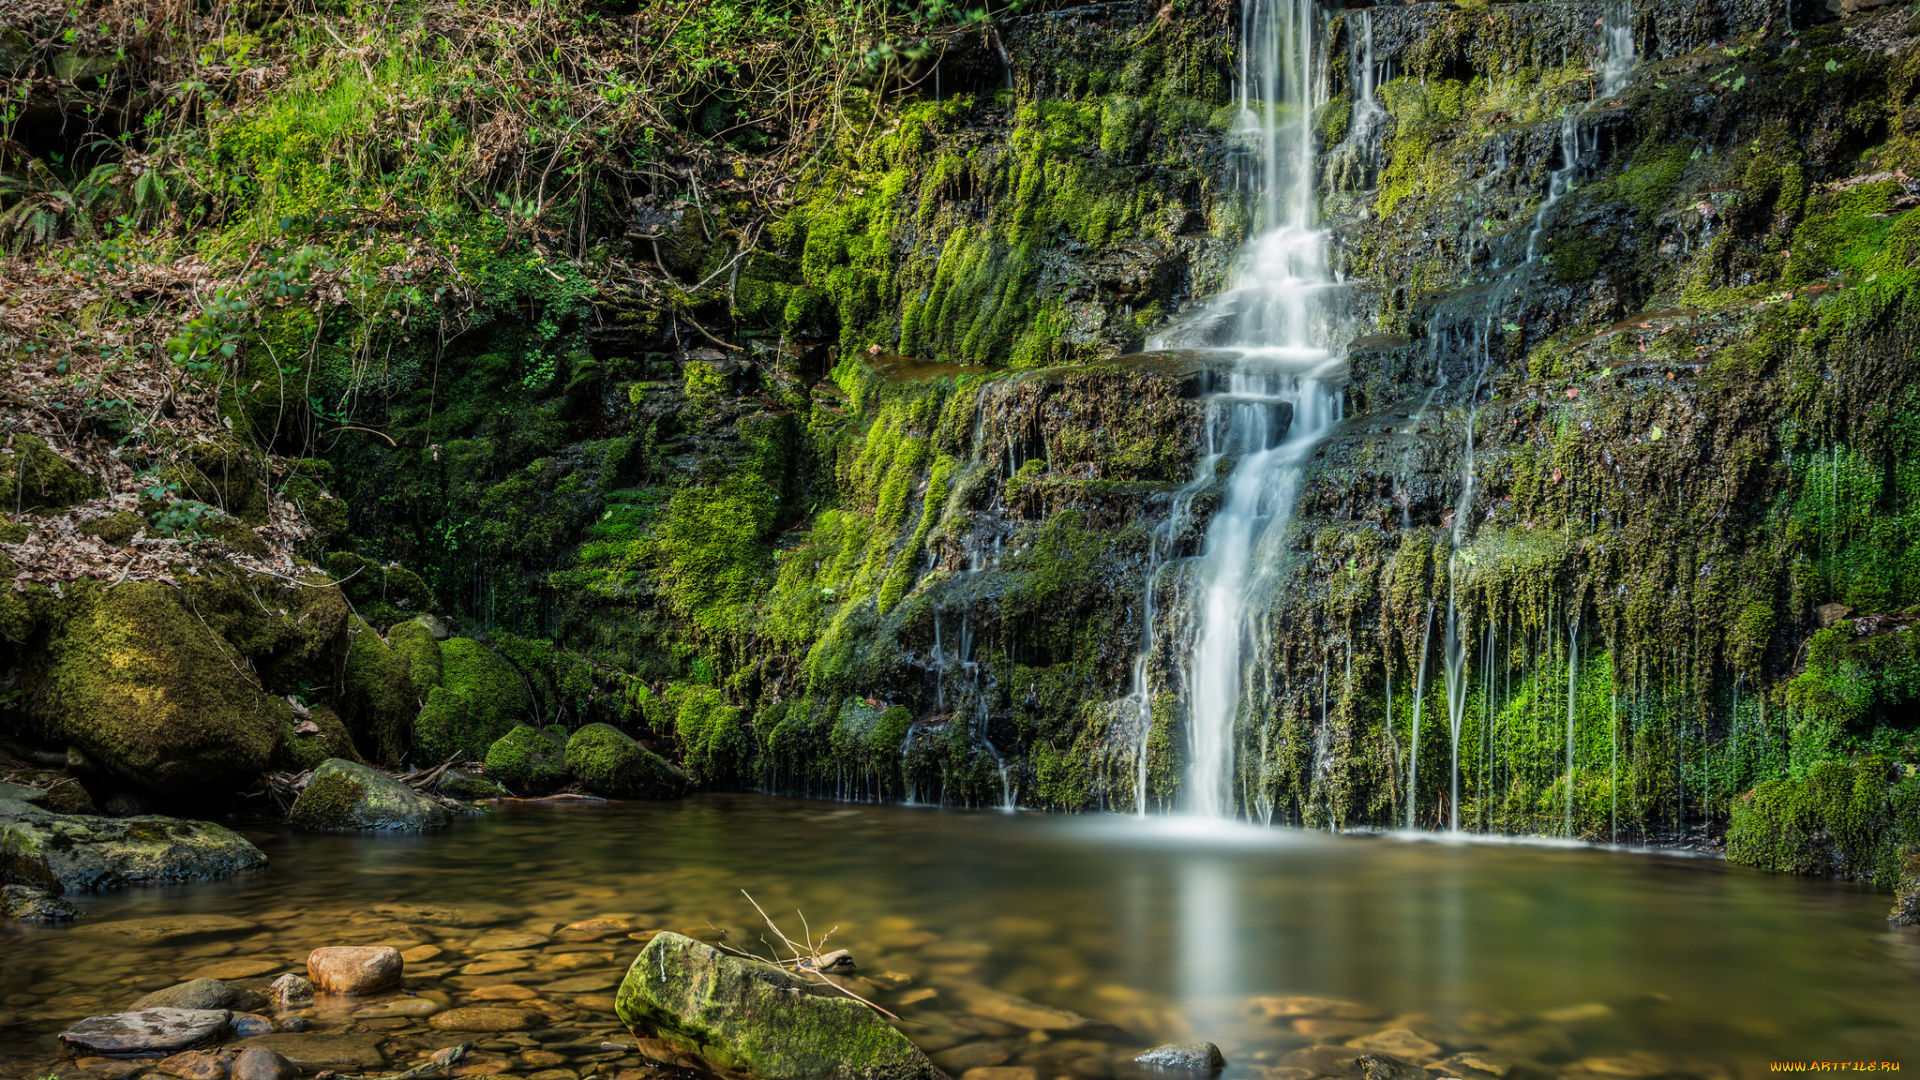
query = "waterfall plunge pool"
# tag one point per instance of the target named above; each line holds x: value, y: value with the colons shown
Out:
x: 1572, y: 961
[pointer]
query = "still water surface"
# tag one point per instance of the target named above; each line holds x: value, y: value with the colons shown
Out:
x: 1646, y: 964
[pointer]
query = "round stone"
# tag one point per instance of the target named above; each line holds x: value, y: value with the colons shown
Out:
x: 354, y: 969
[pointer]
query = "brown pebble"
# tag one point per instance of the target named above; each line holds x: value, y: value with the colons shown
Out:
x: 194, y: 1065
x: 503, y: 992
x: 543, y: 1058
x: 496, y: 1019
x: 260, y: 1063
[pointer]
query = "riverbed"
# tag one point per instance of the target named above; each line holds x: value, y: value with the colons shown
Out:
x: 1568, y: 960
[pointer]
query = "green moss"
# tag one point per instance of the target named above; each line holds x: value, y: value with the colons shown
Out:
x: 381, y: 594
x: 327, y: 802
x: 36, y: 480
x: 300, y: 752
x: 117, y: 529
x: 413, y: 640
x: 142, y: 685
x: 608, y: 762
x: 379, y: 697
x: 480, y: 697
x: 714, y: 740
x: 528, y: 760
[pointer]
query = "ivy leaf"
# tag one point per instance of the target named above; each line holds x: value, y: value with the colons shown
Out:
x: 1739, y: 82
x: 1509, y: 327
x: 1833, y: 65
x: 1656, y: 434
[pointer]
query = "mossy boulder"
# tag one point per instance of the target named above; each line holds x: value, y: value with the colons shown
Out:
x: 79, y: 852
x: 346, y: 795
x: 144, y: 687
x: 480, y: 697
x: 34, y: 479
x: 315, y: 738
x: 529, y: 760
x: 416, y: 643
x: 382, y: 594
x: 117, y: 529
x: 463, y: 785
x: 293, y: 632
x: 741, y: 1017
x: 609, y: 762
x: 378, y: 696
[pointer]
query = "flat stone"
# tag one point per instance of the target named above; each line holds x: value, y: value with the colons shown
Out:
x: 354, y: 969
x: 237, y: 969
x: 172, y: 927
x: 970, y: 1056
x: 1325, y: 1028
x: 695, y: 1000
x: 580, y: 984
x: 600, y: 1003
x: 202, y: 994
x: 1631, y: 1066
x: 23, y: 793
x: 146, y: 1031
x: 1472, y: 1063
x: 463, y: 915
x: 260, y: 1063
x: 915, y: 997
x: 554, y: 1074
x: 420, y: 954
x: 1000, y: 1072
x: 543, y: 1058
x: 1286, y: 1008
x: 194, y: 1065
x: 81, y: 852
x: 1576, y: 1014
x: 594, y: 929
x: 574, y: 961
x: 1396, y: 1041
x: 399, y: 1007
x: 494, y: 967
x: 1324, y: 1060
x: 506, y: 942
x: 1018, y: 1011
x: 312, y: 1051
x: 487, y: 1019
x: 1387, y: 1067
x: 503, y: 992
x: 1197, y: 1057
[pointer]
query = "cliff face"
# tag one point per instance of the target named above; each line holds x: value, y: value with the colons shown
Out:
x: 810, y: 435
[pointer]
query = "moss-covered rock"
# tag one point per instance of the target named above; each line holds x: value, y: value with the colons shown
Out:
x: 36, y: 480
x: 382, y: 594
x: 529, y: 760
x: 479, y: 698
x: 609, y: 762
x: 313, y: 740
x: 117, y: 529
x: 345, y: 795
x: 416, y: 642
x: 142, y: 685
x: 741, y: 1017
x: 463, y: 785
x: 79, y: 853
x: 378, y: 697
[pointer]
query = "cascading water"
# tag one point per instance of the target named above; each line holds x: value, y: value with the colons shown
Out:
x: 1280, y: 400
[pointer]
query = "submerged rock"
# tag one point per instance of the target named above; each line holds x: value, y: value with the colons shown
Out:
x: 463, y: 785
x: 609, y: 762
x: 203, y: 994
x: 260, y: 1063
x: 1199, y: 1057
x: 290, y: 991
x: 740, y: 1016
x: 345, y: 795
x: 79, y: 852
x: 146, y: 1031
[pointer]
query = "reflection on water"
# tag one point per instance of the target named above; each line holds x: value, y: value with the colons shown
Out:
x: 1646, y: 965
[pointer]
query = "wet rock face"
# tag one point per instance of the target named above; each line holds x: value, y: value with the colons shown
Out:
x: 78, y: 853
x: 742, y: 1017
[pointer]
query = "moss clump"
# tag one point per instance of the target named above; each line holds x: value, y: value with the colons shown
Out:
x: 144, y: 687
x: 116, y: 529
x: 414, y: 642
x: 529, y: 760
x: 378, y: 695
x: 383, y: 595
x: 608, y: 762
x: 300, y: 751
x: 479, y: 699
x: 1842, y: 819
x: 327, y: 803
x: 36, y: 480
x: 713, y: 738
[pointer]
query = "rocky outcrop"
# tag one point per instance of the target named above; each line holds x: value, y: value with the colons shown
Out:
x: 529, y: 760
x: 79, y: 853
x: 740, y: 1017
x: 347, y: 795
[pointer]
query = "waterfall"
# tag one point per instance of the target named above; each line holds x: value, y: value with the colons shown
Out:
x: 1419, y: 690
x: 1276, y: 347
x: 1573, y: 700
